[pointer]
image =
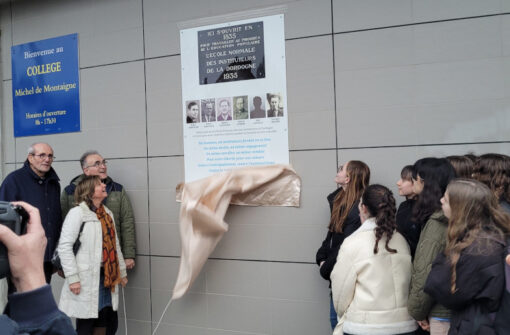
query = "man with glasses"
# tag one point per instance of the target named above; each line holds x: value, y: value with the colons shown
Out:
x: 38, y: 184
x: 93, y: 164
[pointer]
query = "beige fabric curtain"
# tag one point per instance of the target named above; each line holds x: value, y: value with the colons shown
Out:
x: 205, y: 202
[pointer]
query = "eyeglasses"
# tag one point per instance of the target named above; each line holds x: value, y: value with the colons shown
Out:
x: 44, y: 156
x: 98, y: 164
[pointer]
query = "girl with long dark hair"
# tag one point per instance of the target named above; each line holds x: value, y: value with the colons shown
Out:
x: 469, y: 276
x: 430, y: 179
x: 405, y: 224
x: 352, y: 178
x: 370, y: 281
x: 494, y: 171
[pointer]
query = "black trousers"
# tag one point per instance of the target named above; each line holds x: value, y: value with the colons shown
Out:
x: 86, y: 326
x: 113, y: 323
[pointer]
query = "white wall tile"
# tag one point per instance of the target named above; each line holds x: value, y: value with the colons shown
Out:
x: 165, y: 173
x: 5, y: 41
x: 374, y: 49
x: 460, y: 81
x: 310, y: 93
x: 237, y: 313
x: 457, y: 40
x: 108, y: 31
x: 307, y: 284
x: 244, y: 278
x: 8, y: 142
x: 351, y: 15
x: 7, y: 168
x: 166, y: 328
x: 433, y: 10
x: 377, y: 87
x: 190, y: 310
x: 164, y: 108
x: 140, y: 276
x: 165, y: 239
x: 138, y: 304
x: 285, y: 316
x: 134, y: 327
x: 505, y: 33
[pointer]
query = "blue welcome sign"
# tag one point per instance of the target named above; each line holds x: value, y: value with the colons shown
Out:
x: 46, y: 87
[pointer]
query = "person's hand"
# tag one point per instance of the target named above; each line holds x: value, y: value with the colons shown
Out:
x: 123, y: 281
x: 507, y: 259
x: 26, y: 252
x: 424, y: 324
x: 75, y: 288
x: 130, y: 263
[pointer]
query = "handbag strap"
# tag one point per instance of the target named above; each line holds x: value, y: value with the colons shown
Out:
x: 81, y: 228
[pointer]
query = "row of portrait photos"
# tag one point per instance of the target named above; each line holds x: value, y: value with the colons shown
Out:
x: 234, y: 108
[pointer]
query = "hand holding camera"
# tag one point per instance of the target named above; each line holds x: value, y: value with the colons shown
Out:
x: 25, y: 251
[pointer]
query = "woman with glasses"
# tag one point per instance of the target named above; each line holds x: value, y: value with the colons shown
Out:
x: 430, y: 179
x: 93, y: 275
x: 351, y: 179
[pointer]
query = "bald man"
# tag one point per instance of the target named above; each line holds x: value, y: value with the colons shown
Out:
x: 38, y: 184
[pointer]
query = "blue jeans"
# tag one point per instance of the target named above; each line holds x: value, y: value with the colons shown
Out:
x: 332, y: 314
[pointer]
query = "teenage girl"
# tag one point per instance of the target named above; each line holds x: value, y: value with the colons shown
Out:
x: 430, y: 179
x: 494, y: 171
x: 370, y: 281
x: 352, y: 178
x: 405, y: 224
x: 469, y: 276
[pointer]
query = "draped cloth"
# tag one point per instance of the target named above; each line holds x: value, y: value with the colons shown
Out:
x: 110, y: 258
x: 205, y: 203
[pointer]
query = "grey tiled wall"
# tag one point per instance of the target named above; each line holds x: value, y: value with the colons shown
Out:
x: 384, y: 81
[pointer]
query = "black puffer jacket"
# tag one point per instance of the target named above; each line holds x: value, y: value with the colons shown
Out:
x: 331, y: 244
x: 479, y: 286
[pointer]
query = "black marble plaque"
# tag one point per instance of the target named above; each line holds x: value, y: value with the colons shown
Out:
x: 231, y: 53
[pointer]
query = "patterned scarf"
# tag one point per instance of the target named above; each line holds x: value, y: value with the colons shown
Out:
x: 110, y: 259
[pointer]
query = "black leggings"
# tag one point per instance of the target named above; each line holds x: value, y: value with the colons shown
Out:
x: 86, y: 326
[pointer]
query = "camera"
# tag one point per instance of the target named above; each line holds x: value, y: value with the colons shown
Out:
x: 14, y: 217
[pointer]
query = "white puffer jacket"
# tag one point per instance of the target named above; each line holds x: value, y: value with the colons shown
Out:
x: 370, y: 290
x: 86, y: 265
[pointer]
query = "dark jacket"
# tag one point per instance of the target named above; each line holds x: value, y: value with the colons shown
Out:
x: 432, y: 242
x: 118, y: 202
x: 24, y: 184
x: 36, y: 313
x: 331, y: 244
x: 406, y: 226
x: 479, y: 286
x: 505, y: 205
